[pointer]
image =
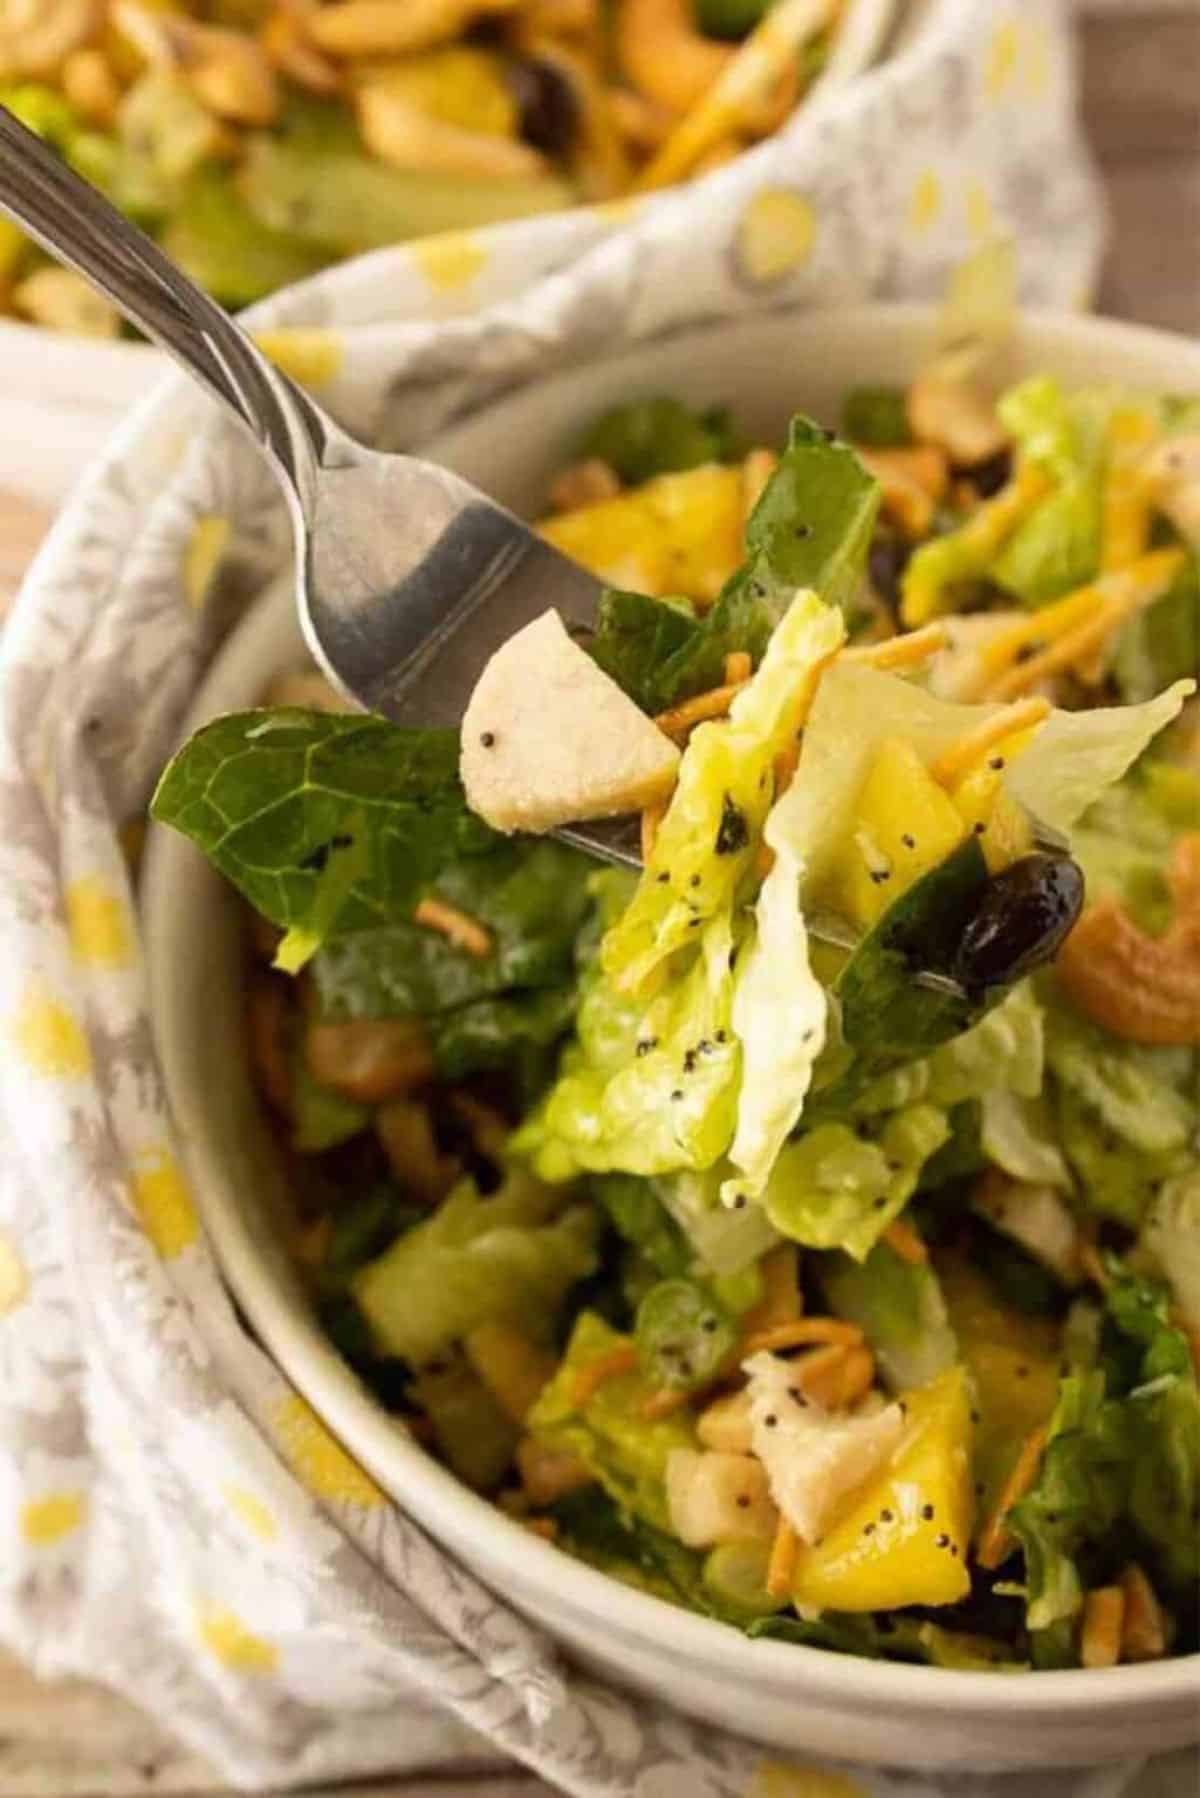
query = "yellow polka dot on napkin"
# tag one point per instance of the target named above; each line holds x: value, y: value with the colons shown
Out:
x: 202, y: 557
x: 450, y: 261
x: 981, y: 221
x: 49, y: 1039
x: 317, y: 1458
x: 308, y: 355
x: 775, y: 235
x: 925, y: 201
x: 251, y: 1510
x: 1000, y: 68
x: 776, y: 1779
x: 48, y: 1519
x: 229, y: 1641
x: 97, y: 923
x: 162, y: 1201
x: 14, y: 1279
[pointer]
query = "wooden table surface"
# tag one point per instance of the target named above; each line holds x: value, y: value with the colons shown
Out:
x: 1141, y: 82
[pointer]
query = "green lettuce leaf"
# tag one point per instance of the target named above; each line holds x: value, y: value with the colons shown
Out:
x: 1123, y: 1457
x: 1170, y: 1240
x: 1002, y: 1053
x: 727, y: 1240
x: 1057, y: 547
x: 659, y: 435
x: 273, y: 798
x: 626, y: 1451
x: 834, y: 1189
x: 1018, y: 1136
x: 636, y: 641
x: 900, y: 1307
x: 1124, y: 1114
x: 1162, y: 643
x: 810, y: 529
x: 643, y: 1089
x: 636, y: 1212
x: 709, y: 837
x: 876, y: 416
x: 512, y: 1255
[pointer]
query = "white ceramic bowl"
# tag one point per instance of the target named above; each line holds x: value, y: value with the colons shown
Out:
x: 63, y: 395
x: 796, y: 1698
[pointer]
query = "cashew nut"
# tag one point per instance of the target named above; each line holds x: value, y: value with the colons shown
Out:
x: 60, y: 300
x: 286, y: 45
x: 36, y: 36
x: 955, y: 414
x: 392, y: 27
x: 400, y: 133
x: 1144, y: 989
x: 88, y: 81
x: 228, y: 72
x: 663, y: 54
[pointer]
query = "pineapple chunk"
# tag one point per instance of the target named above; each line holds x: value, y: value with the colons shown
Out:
x: 982, y: 801
x: 904, y: 1541
x: 903, y: 825
x: 679, y: 534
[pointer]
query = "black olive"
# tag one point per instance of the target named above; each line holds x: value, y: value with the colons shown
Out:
x: 549, y: 111
x: 988, y: 477
x: 1025, y: 912
x: 885, y: 566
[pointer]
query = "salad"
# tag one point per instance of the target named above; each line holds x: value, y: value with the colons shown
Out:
x: 806, y: 1229
x: 261, y: 140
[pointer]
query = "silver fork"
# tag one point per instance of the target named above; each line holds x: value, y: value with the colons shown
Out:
x: 407, y: 577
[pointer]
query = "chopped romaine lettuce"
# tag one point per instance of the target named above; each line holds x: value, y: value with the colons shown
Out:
x: 658, y: 436
x: 876, y: 417
x: 1057, y: 547
x: 605, y: 1427
x: 710, y: 833
x: 728, y: 1240
x: 636, y: 638
x: 638, y: 1214
x: 644, y: 1089
x: 1171, y: 1238
x: 834, y: 1189
x: 1002, y: 1053
x: 683, y: 1333
x: 1161, y: 644
x: 513, y: 1255
x: 900, y: 1308
x: 1017, y: 1135
x: 811, y: 529
x: 472, y: 1430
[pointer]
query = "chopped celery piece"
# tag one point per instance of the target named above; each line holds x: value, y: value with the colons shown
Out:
x: 346, y: 202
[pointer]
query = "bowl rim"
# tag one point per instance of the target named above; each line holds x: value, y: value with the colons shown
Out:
x: 371, y: 1434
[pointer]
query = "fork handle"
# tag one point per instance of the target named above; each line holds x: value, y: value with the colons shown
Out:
x: 79, y: 227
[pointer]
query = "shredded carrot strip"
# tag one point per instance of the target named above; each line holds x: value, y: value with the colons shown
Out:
x: 652, y: 818
x: 764, y: 860
x: 801, y: 1333
x: 545, y: 1527
x: 1125, y: 517
x: 1144, y: 1623
x: 1109, y: 602
x: 781, y: 1569
x: 665, y: 1402
x: 995, y: 1541
x: 683, y: 718
x: 907, y: 650
x: 458, y: 927
x: 904, y: 1241
x: 824, y: 1375
x: 738, y: 668
x: 949, y: 767
x: 611, y: 1366
x: 1040, y: 628
x: 1100, y: 1636
x: 858, y: 1375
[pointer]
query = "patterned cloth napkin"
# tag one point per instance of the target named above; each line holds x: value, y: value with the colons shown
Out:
x: 174, y: 1519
